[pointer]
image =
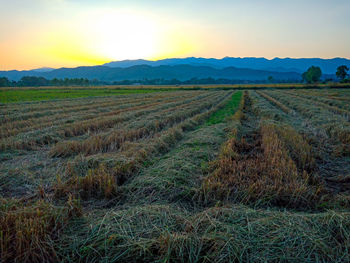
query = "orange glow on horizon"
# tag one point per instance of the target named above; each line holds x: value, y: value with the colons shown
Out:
x: 109, y: 36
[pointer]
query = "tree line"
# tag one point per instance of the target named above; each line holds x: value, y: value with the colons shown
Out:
x: 312, y: 75
x: 40, y: 81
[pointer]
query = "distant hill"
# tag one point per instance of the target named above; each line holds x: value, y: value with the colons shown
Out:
x: 181, y: 72
x: 300, y: 65
x: 44, y: 69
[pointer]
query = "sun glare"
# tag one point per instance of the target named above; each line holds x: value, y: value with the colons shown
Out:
x: 97, y: 36
x: 120, y: 36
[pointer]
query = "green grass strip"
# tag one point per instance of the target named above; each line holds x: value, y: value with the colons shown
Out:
x: 17, y: 95
x: 229, y: 109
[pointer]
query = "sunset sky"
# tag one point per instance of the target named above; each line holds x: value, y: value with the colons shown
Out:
x: 57, y: 33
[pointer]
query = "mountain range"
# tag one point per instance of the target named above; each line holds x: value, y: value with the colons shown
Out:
x: 250, y: 69
x: 180, y: 72
x: 299, y: 65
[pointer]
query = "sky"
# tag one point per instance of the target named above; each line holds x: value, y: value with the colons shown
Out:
x: 70, y: 33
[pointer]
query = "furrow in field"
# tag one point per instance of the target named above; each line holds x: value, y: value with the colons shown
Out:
x: 176, y: 176
x: 38, y: 109
x: 313, y: 99
x: 275, y: 102
x: 92, y: 104
x: 332, y: 125
x: 52, y: 108
x: 30, y: 169
x: 114, y: 140
x: 338, y: 95
x: 24, y: 107
x: 327, y: 164
x: 16, y: 127
x: 108, y: 170
x: 320, y: 97
x: 33, y: 140
x: 54, y: 111
x: 13, y: 128
x: 269, y: 161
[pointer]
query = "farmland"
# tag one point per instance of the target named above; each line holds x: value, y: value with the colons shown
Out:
x: 202, y: 175
x: 40, y: 94
x: 29, y: 94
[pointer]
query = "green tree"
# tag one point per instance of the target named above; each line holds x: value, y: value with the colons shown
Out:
x: 29, y: 81
x: 4, y: 82
x: 312, y: 75
x: 342, y: 72
x: 270, y: 79
x: 55, y: 82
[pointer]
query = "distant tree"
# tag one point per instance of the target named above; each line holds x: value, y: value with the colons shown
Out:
x: 174, y: 82
x: 312, y: 75
x: 328, y: 80
x: 86, y: 82
x: 55, y: 82
x: 29, y: 81
x: 270, y: 79
x: 95, y: 82
x: 342, y: 72
x: 4, y: 82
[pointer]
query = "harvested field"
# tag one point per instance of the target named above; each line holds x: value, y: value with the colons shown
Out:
x: 203, y: 175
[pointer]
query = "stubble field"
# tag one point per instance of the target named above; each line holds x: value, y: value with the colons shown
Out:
x: 177, y: 176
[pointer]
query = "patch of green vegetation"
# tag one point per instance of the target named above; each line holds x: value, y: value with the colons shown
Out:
x: 21, y: 95
x: 177, y: 174
x: 229, y: 109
